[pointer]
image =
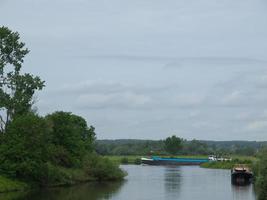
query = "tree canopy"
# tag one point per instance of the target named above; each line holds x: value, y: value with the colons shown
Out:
x: 71, y: 138
x: 173, y: 144
x: 16, y: 88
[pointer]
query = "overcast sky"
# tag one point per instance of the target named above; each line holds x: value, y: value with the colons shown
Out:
x: 150, y: 68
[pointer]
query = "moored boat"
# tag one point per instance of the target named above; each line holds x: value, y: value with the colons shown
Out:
x: 241, y: 175
x: 173, y: 161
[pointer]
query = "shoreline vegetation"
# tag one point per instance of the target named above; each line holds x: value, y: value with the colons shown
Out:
x: 41, y: 151
x: 76, y: 176
x: 136, y: 160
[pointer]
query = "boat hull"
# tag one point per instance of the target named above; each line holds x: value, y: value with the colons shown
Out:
x: 241, y: 178
x: 173, y: 161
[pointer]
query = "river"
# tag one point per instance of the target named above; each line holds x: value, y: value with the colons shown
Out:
x: 151, y: 183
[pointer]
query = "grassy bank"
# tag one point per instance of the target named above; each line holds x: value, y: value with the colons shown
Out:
x: 230, y: 164
x: 9, y: 185
x: 95, y: 168
x: 218, y: 165
x: 249, y: 160
x: 134, y: 160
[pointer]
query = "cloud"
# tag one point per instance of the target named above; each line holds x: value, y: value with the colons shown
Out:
x: 188, y: 100
x: 214, y: 62
x: 114, y: 100
x: 235, y: 98
x: 118, y: 95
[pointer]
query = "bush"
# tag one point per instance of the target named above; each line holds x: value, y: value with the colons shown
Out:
x: 23, y: 151
x: 124, y: 160
x: 261, y: 179
x: 71, y: 139
x: 137, y: 161
x: 54, y: 175
x: 102, y: 169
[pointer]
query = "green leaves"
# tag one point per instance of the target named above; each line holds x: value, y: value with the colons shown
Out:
x: 11, y: 50
x: 16, y: 89
x: 173, y: 144
x: 71, y: 138
x: 23, y: 151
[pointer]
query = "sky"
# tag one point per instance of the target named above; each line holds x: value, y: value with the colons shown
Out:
x: 148, y: 69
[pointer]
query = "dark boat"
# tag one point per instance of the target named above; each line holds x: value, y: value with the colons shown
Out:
x: 173, y: 161
x: 241, y: 175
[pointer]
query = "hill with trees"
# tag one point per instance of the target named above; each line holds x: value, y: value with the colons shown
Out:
x: 193, y: 147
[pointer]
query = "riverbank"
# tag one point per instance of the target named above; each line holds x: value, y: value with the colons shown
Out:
x: 136, y: 160
x: 9, y: 185
x: 248, y: 160
x: 97, y: 169
x: 69, y: 177
x: 168, y: 183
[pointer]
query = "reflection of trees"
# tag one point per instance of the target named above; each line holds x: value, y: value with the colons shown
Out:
x: 172, y: 179
x: 12, y: 196
x: 244, y: 192
x: 88, y: 191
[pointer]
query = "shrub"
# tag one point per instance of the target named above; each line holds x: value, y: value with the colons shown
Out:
x: 137, y: 161
x: 23, y: 152
x: 71, y: 139
x: 261, y: 179
x: 124, y: 160
x: 102, y: 168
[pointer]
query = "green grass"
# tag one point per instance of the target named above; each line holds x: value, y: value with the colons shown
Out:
x: 8, y: 185
x: 219, y: 165
x: 248, y: 160
x: 123, y: 159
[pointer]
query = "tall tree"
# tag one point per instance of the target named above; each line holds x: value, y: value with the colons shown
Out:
x: 16, y: 89
x: 173, y: 144
x: 71, y: 138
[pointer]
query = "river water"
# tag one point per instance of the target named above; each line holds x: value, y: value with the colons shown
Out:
x: 151, y: 183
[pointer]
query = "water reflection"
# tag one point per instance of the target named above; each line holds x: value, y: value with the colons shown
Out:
x: 245, y: 192
x: 151, y: 183
x: 172, y: 179
x: 89, y: 191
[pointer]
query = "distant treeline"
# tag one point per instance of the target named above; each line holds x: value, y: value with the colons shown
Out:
x: 193, y: 147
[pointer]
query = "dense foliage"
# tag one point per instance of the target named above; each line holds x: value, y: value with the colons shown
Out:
x: 24, y: 148
x: 70, y: 139
x: 260, y: 171
x: 38, y: 149
x: 173, y: 144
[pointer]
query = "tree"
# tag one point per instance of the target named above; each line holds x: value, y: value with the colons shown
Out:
x: 16, y: 89
x: 197, y: 147
x: 24, y: 150
x: 71, y: 138
x: 173, y: 144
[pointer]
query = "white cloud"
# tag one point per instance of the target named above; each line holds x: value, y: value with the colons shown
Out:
x: 234, y: 98
x: 114, y: 100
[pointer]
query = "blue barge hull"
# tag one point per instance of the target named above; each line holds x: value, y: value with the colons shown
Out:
x: 173, y: 161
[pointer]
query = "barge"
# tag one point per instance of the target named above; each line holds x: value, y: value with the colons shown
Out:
x: 241, y: 175
x: 172, y: 161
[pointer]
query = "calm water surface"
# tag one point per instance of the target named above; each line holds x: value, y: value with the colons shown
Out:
x: 152, y: 183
